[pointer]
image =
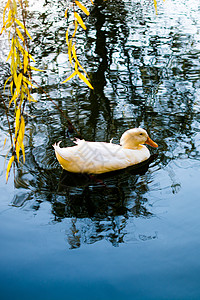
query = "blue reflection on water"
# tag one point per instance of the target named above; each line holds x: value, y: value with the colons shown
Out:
x: 131, y: 235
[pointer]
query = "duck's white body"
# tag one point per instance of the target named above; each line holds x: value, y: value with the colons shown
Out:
x: 100, y: 157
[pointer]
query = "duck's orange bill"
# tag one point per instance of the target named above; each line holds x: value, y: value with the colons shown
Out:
x: 151, y: 143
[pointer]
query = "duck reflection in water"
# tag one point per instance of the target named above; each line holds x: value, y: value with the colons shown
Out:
x: 104, y: 195
x: 100, y: 205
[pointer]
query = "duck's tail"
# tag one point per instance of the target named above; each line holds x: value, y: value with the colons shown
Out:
x: 58, y: 150
x: 61, y: 157
x: 57, y: 145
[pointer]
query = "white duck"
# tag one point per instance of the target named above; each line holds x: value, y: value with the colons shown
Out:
x: 101, y: 157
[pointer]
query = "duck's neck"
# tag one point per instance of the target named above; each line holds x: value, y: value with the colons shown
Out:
x: 132, y: 146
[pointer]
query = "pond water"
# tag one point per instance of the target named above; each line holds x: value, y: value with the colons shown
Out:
x: 133, y: 234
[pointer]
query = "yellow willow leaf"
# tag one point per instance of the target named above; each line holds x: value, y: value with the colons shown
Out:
x: 22, y: 96
x: 92, y: 2
x: 20, y: 34
x: 21, y: 131
x: 23, y: 124
x: 20, y: 78
x: 18, y: 61
x: 83, y: 78
x: 4, y: 11
x: 75, y: 28
x: 67, y: 39
x: 79, y: 19
x: 35, y: 69
x: 15, y: 95
x: 76, y: 67
x: 70, y: 51
x: 18, y: 113
x: 8, y: 25
x: 155, y: 5
x: 23, y: 91
x: 14, y: 6
x: 24, y: 52
x: 70, y: 77
x: 25, y: 64
x: 19, y: 82
x: 74, y: 53
x: 8, y: 22
x: 12, y: 58
x: 11, y: 88
x: 26, y: 86
x: 82, y: 7
x: 15, y: 79
x: 31, y: 99
x: 9, y: 55
x: 16, y: 53
x: 23, y: 152
x: 7, y: 82
x: 9, y: 17
x: 76, y: 59
x: 13, y: 65
x: 4, y: 143
x: 2, y: 30
x: 28, y: 82
x: 66, y: 13
x: 13, y: 42
x: 9, y: 166
x: 31, y: 57
x: 7, y: 154
x: 17, y: 44
x: 17, y: 149
x: 22, y: 26
x: 27, y: 91
x: 82, y: 69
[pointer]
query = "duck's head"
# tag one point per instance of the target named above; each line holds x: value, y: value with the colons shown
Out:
x: 132, y: 138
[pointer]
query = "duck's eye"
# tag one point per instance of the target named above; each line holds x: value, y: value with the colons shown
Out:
x: 141, y: 133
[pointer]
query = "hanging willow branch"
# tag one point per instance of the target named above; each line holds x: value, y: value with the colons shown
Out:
x: 71, y: 43
x: 19, y: 83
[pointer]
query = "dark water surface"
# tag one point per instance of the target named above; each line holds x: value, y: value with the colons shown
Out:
x: 134, y: 234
